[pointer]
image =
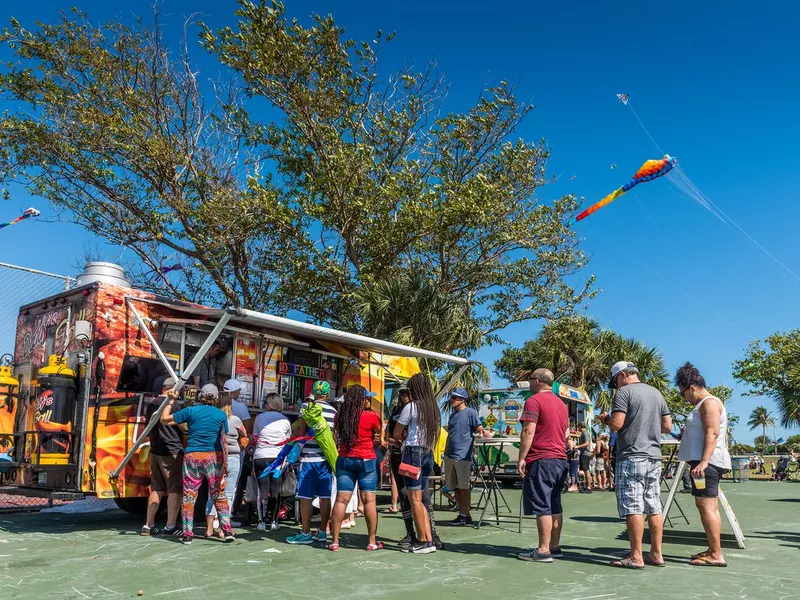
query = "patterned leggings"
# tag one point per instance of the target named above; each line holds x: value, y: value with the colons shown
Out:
x: 208, y: 465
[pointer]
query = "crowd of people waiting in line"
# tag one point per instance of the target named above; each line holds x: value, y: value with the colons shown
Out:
x: 628, y: 461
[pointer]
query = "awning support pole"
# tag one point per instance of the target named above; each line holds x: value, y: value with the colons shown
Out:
x: 445, y: 389
x: 114, y: 475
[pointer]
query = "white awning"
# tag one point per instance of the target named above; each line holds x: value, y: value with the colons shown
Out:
x: 306, y: 331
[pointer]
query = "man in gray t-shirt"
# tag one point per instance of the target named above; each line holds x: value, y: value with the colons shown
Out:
x: 639, y: 415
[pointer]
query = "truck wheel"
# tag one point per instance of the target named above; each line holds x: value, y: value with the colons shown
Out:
x: 134, y: 506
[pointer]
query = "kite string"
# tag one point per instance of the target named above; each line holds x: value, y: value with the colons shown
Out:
x: 645, y: 128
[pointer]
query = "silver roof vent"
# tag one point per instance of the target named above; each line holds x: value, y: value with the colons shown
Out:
x: 103, y: 271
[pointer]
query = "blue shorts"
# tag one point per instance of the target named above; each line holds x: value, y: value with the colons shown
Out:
x: 542, y: 487
x: 352, y: 470
x: 315, y: 479
x: 418, y: 456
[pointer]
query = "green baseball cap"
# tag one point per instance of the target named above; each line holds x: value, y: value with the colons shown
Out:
x: 322, y: 388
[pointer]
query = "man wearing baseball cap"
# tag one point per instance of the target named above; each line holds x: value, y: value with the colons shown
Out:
x: 462, y: 426
x: 639, y: 414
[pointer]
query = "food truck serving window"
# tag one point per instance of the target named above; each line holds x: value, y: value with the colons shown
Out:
x: 140, y: 375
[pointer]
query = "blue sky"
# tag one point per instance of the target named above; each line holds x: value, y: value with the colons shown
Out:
x: 715, y: 83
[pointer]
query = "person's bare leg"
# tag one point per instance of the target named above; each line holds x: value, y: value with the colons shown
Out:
x: 712, y: 523
x: 395, y: 495
x: 153, y: 502
x: 544, y: 523
x: 324, y: 512
x: 420, y: 514
x: 656, y: 525
x: 306, y: 512
x: 370, y: 516
x: 173, y: 508
x: 342, y: 498
x: 635, y: 526
x: 210, y: 524
x: 463, y: 499
x: 555, y: 534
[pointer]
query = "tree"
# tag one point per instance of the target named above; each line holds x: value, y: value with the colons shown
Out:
x: 762, y: 443
x: 772, y: 369
x: 580, y: 353
x: 760, y: 417
x: 680, y: 408
x: 348, y: 178
x: 733, y: 421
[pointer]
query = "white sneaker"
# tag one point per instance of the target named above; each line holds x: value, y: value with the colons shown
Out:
x: 261, y: 526
x: 275, y: 526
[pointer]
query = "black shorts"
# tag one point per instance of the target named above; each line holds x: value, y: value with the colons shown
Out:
x: 544, y: 482
x: 585, y: 460
x: 713, y: 475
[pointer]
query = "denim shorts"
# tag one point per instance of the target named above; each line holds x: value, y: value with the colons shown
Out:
x: 315, y: 479
x: 350, y: 471
x: 418, y: 456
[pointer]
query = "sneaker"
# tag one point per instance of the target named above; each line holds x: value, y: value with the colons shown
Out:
x: 536, y: 556
x: 555, y: 552
x: 174, y: 530
x: 261, y: 526
x: 423, y: 548
x: 461, y: 520
x: 146, y: 530
x: 406, y: 543
x: 274, y: 526
x: 301, y: 538
x: 321, y: 537
x: 229, y: 537
x: 187, y: 539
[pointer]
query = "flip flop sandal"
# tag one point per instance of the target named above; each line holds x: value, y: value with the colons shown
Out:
x: 652, y: 563
x: 705, y: 561
x: 374, y: 547
x: 389, y: 511
x: 333, y: 547
x: 625, y: 563
x: 702, y: 554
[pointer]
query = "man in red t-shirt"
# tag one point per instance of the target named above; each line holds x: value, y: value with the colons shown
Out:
x: 543, y: 464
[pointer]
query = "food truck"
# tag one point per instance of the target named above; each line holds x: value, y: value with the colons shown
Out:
x: 89, y: 363
x: 501, y: 408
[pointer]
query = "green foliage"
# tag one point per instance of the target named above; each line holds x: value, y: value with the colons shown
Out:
x: 359, y: 195
x: 772, y: 369
x: 580, y: 354
x: 741, y: 449
x: 762, y: 442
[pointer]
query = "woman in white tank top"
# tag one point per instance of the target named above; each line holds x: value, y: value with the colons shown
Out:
x: 704, y: 445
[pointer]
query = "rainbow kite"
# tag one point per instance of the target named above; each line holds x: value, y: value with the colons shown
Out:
x: 652, y: 169
x: 31, y: 212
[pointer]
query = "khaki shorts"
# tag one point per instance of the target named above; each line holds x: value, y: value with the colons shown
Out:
x: 166, y: 474
x: 457, y: 473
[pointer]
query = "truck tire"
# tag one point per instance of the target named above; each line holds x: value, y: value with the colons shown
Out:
x: 134, y: 506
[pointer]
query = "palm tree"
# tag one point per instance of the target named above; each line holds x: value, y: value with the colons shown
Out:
x: 580, y: 353
x: 760, y: 417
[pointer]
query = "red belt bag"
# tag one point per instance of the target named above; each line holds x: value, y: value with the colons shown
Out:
x: 410, y: 471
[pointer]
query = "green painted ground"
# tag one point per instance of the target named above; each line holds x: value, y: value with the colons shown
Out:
x: 102, y: 556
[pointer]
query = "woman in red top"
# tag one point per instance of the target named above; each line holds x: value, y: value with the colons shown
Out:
x: 357, y: 431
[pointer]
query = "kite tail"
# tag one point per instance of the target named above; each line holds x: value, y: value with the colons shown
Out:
x: 598, y: 205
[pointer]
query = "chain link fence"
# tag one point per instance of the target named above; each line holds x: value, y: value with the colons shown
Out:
x: 20, y: 286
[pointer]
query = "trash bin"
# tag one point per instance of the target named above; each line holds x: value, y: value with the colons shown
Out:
x: 740, y: 469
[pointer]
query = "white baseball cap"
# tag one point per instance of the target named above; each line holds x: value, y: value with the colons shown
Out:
x: 232, y: 385
x: 618, y: 367
x: 210, y: 389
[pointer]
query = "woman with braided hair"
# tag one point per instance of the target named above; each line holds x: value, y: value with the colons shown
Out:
x: 419, y: 424
x: 357, y: 432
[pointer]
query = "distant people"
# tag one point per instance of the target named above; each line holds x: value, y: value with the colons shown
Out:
x: 543, y: 464
x: 236, y: 433
x: 585, y: 448
x: 601, y: 456
x: 357, y: 432
x: 704, y: 445
x: 271, y: 429
x: 419, y: 425
x: 205, y: 456
x: 464, y: 423
x: 639, y: 414
x: 166, y: 464
x: 239, y: 408
x: 316, y: 475
x: 574, y: 460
